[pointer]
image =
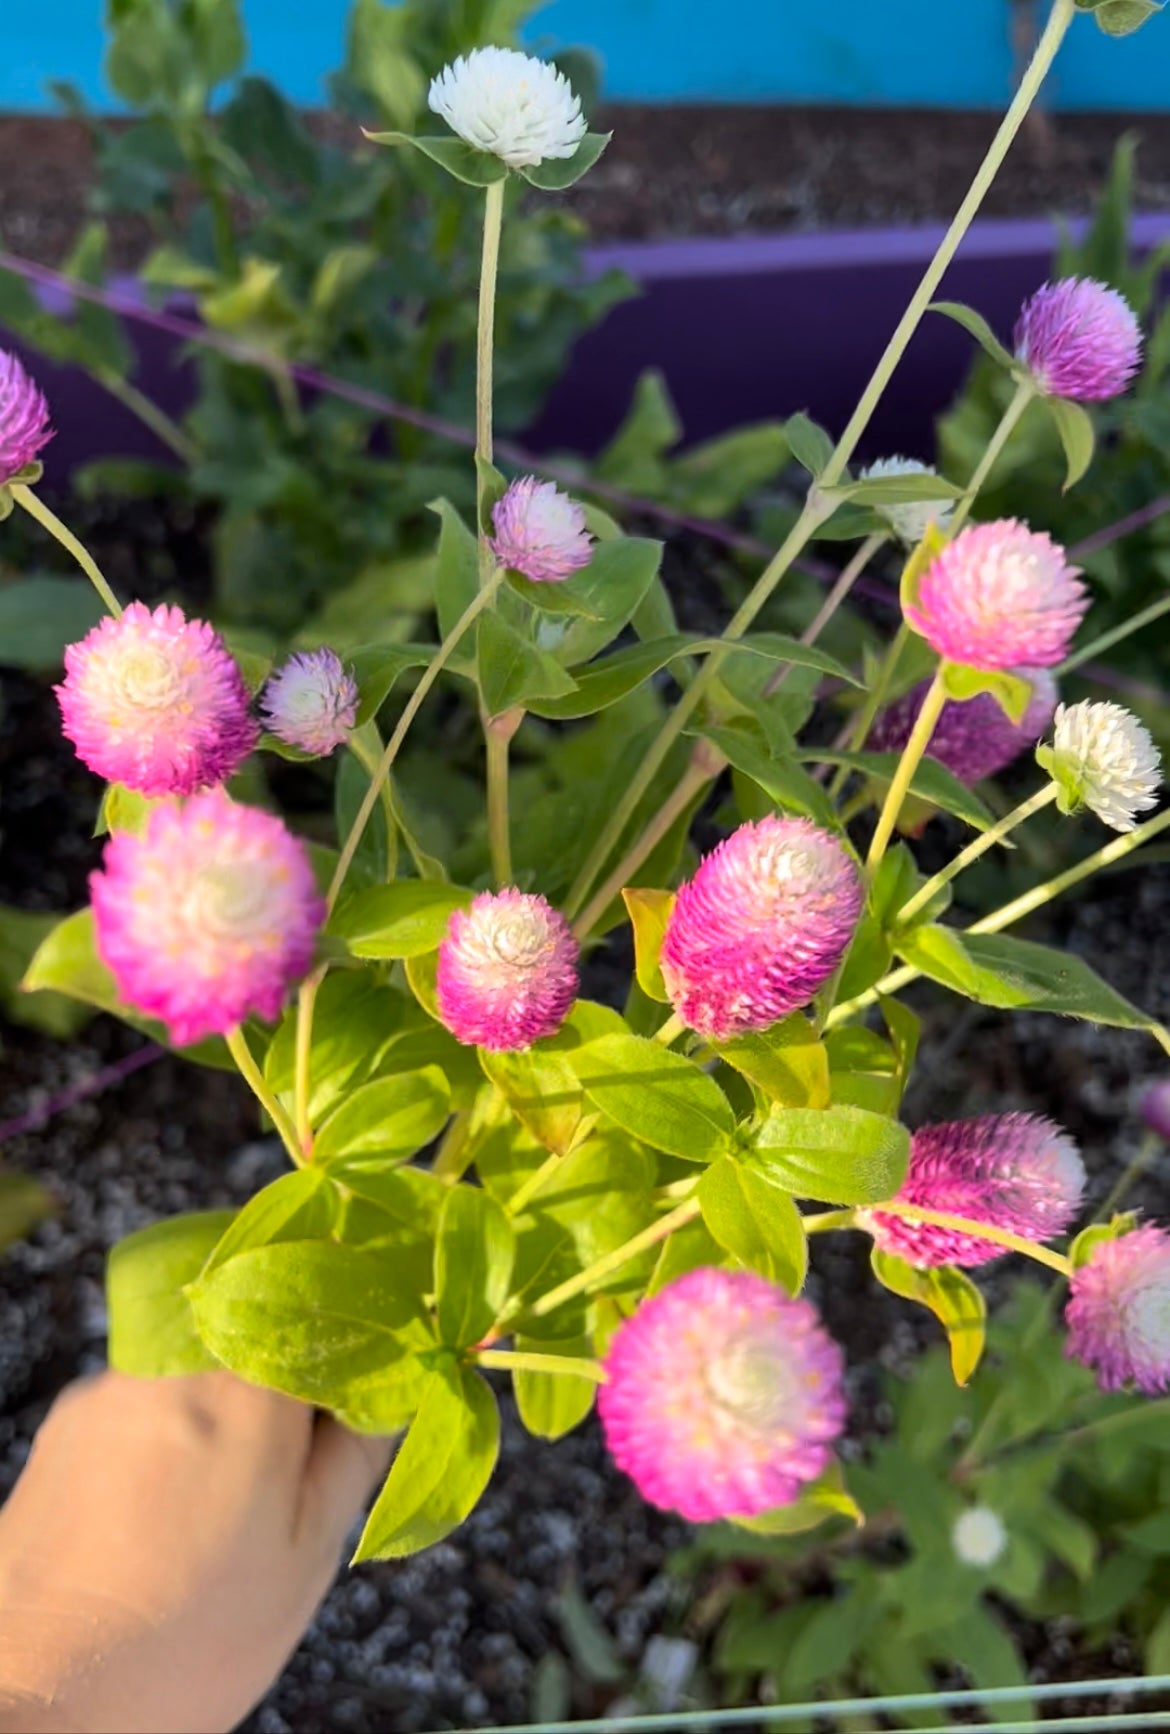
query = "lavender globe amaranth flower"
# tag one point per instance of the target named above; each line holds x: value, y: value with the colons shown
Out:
x: 762, y: 925
x: 1013, y: 1171
x: 723, y: 1396
x: 1103, y: 758
x: 973, y: 738
x: 1000, y: 596
x: 520, y: 109
x: 1079, y: 339
x: 1155, y: 1108
x: 539, y: 532
x: 909, y: 520
x: 156, y: 701
x: 24, y: 418
x: 208, y: 916
x: 1118, y: 1312
x: 311, y: 702
x: 507, y: 972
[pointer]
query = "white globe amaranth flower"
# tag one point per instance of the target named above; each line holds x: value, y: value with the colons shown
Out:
x: 1102, y: 758
x: 909, y: 521
x: 979, y: 1537
x: 510, y: 104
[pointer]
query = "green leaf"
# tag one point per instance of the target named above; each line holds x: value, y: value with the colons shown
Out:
x: 356, y: 1018
x: 649, y: 914
x: 303, y: 1205
x: 376, y: 667
x: 978, y: 327
x: 782, y: 779
x: 1014, y: 974
x: 931, y: 782
x: 1089, y: 1239
x: 842, y: 1155
x: 456, y: 567
x: 474, y: 1256
x: 863, y: 1070
x: 40, y: 615
x: 475, y: 168
x: 808, y: 442
x: 1075, y: 427
x: 787, y: 1062
x: 387, y: 1120
x: 22, y: 932
x: 755, y: 1220
x: 123, y: 809
x: 1123, y: 17
x: 512, y: 671
x: 442, y: 1468
x: 556, y: 173
x: 541, y: 1088
x: 552, y: 1404
x: 898, y: 490
x: 953, y: 1299
x: 152, y: 1330
x: 406, y: 918
x: 822, y: 1499
x: 1012, y: 694
x: 23, y: 1203
x: 655, y: 1095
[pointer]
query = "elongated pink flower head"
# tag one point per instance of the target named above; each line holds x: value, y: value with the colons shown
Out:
x: 1013, y: 1171
x: 1079, y: 339
x: 24, y: 418
x: 311, y: 702
x: 507, y: 971
x: 1118, y: 1312
x: 973, y: 739
x: 157, y: 702
x: 723, y: 1396
x: 761, y: 926
x: 207, y: 916
x: 999, y: 596
x: 540, y: 532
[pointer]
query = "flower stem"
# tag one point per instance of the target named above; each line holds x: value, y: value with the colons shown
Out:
x: 985, y: 841
x: 670, y: 1030
x: 493, y: 222
x: 431, y: 673
x: 302, y: 1078
x: 912, y: 756
x: 1021, y: 398
x: 826, y: 1221
x: 368, y: 757
x: 1107, y: 640
x: 242, y: 1054
x: 151, y: 416
x: 521, y: 1361
x: 856, y: 732
x: 979, y: 1231
x: 36, y: 508
x: 695, y: 778
x: 497, y: 733
x: 837, y: 595
x: 613, y: 1261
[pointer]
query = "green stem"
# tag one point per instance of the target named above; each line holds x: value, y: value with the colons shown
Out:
x: 493, y: 222
x: 1024, y: 393
x: 979, y: 1231
x: 837, y: 595
x: 670, y: 1030
x: 912, y: 756
x: 519, y: 1361
x: 302, y: 1077
x: 151, y: 416
x: 613, y: 1261
x: 1108, y: 639
x: 856, y: 732
x: 242, y: 1054
x: 221, y: 217
x: 452, y: 1159
x: 826, y: 1221
x: 36, y: 508
x: 696, y: 777
x: 497, y: 733
x: 368, y: 757
x: 431, y: 673
x: 985, y: 841
x: 538, y: 1179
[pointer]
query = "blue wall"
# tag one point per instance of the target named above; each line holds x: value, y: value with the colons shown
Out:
x: 863, y: 51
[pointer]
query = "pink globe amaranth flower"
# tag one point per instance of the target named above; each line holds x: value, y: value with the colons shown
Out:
x: 1000, y: 596
x: 1079, y: 339
x: 1118, y: 1312
x: 156, y: 701
x: 24, y: 418
x: 540, y: 532
x: 311, y: 702
x: 762, y: 925
x: 973, y: 739
x: 723, y: 1396
x: 1013, y: 1171
x: 210, y: 914
x: 507, y: 972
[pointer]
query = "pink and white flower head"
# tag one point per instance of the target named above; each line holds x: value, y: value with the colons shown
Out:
x: 999, y: 596
x: 540, y: 532
x: 311, y: 702
x: 723, y: 1396
x: 157, y: 702
x: 1079, y: 339
x: 24, y: 418
x: 762, y: 925
x: 507, y: 972
x: 206, y: 917
x: 973, y: 739
x: 1013, y: 1171
x: 1118, y: 1312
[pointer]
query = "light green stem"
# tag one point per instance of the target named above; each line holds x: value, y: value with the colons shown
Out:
x: 493, y: 222
x: 670, y: 1030
x: 837, y: 595
x: 151, y: 416
x: 979, y: 1231
x: 36, y: 508
x: 242, y: 1054
x: 912, y: 755
x: 695, y: 778
x: 1108, y: 639
x: 981, y: 844
x: 520, y: 1361
x: 826, y: 1221
x: 302, y: 1076
x: 856, y: 732
x: 498, y: 732
x: 431, y: 673
x: 368, y: 758
x: 1021, y: 398
x: 613, y: 1261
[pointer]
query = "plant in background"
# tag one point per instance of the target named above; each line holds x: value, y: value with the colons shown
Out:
x: 490, y: 1168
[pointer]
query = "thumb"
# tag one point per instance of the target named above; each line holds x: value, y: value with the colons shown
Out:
x: 342, y: 1471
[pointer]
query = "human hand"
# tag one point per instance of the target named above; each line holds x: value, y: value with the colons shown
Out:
x: 164, y: 1550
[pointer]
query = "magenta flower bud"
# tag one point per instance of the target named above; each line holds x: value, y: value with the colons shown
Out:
x: 973, y: 739
x: 1155, y: 1108
x: 999, y: 596
x: 762, y: 925
x: 1013, y: 1171
x: 157, y: 702
x: 24, y: 418
x: 723, y: 1396
x: 208, y: 915
x: 540, y: 532
x: 311, y: 702
x: 1118, y: 1311
x: 507, y: 972
x: 1079, y: 339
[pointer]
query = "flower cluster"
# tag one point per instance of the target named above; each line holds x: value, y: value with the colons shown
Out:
x: 1103, y: 758
x: 1079, y: 339
x: 517, y: 108
x: 312, y: 702
x: 1119, y: 1311
x: 507, y: 973
x: 539, y: 532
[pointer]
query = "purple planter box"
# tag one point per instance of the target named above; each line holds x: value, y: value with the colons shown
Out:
x: 743, y: 329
